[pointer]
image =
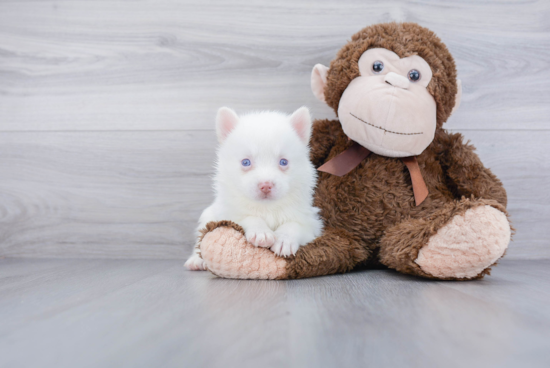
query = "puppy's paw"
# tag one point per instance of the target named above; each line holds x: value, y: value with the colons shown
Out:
x: 285, y: 244
x: 260, y: 237
x: 195, y: 263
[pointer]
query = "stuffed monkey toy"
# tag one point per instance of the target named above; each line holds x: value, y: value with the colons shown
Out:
x: 395, y: 189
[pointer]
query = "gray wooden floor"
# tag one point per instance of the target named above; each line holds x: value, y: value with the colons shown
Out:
x: 153, y: 313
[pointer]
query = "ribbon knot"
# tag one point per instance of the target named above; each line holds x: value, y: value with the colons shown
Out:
x: 346, y: 161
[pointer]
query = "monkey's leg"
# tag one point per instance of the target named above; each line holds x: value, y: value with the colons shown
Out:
x: 333, y: 252
x: 458, y: 242
x: 227, y: 254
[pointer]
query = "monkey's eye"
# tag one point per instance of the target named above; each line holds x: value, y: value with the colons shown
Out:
x: 377, y: 66
x: 414, y: 75
x: 245, y: 162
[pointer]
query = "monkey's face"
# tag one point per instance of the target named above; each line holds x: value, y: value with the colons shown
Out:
x: 388, y: 109
x: 388, y: 104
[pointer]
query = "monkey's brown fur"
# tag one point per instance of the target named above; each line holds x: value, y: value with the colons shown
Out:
x: 405, y: 39
x: 370, y: 214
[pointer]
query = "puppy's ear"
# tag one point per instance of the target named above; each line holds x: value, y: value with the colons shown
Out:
x: 301, y: 122
x: 226, y: 121
x: 319, y: 81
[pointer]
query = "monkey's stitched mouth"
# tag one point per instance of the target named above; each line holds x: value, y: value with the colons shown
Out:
x: 385, y: 130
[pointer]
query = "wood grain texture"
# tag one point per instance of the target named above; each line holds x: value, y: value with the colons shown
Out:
x: 139, y: 194
x: 103, y: 194
x: 169, y: 64
x: 106, y: 108
x: 154, y: 313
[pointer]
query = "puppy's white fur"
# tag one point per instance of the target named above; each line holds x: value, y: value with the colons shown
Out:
x: 281, y: 218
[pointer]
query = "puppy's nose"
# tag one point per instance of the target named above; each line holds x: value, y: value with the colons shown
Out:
x: 266, y: 187
x: 397, y: 80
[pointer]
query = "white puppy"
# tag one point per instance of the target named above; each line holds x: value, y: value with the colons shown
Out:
x: 264, y: 180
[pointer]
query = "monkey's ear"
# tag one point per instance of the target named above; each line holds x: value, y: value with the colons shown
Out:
x: 301, y: 122
x: 458, y: 96
x: 319, y: 81
x: 226, y: 121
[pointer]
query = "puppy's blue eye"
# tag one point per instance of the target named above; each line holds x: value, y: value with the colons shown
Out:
x: 245, y: 162
x: 283, y: 162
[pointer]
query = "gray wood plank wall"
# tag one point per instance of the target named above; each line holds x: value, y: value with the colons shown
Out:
x: 106, y: 108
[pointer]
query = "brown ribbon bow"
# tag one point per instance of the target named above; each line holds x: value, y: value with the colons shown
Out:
x: 350, y: 158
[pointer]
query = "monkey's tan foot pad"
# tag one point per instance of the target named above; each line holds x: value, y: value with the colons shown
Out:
x: 227, y: 254
x: 467, y: 245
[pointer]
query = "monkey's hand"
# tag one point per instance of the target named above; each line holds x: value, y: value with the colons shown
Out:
x: 468, y: 173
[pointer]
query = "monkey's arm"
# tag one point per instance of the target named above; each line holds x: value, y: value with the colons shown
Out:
x: 323, y: 138
x: 467, y: 172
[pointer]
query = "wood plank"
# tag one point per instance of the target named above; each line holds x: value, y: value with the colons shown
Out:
x: 168, y: 65
x: 360, y: 315
x: 150, y: 313
x: 139, y: 194
x: 135, y: 194
x: 168, y: 316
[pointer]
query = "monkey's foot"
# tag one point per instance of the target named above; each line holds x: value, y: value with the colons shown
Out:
x: 467, y: 245
x: 227, y: 254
